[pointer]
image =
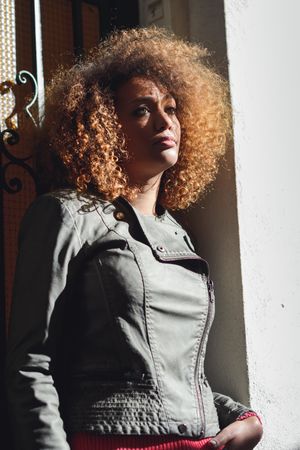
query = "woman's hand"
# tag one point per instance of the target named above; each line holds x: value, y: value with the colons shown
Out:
x: 240, y: 435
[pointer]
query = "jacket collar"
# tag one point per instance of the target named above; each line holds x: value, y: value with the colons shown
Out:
x: 177, y: 248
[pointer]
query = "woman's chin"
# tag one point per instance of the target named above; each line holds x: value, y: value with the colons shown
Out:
x: 144, y: 170
x: 169, y: 157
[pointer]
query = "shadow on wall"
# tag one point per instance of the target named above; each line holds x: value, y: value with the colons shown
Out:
x: 214, y: 223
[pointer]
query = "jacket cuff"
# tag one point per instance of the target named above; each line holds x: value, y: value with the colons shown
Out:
x: 249, y: 414
x: 229, y: 410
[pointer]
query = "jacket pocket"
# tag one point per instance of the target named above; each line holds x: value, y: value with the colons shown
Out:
x: 181, y: 253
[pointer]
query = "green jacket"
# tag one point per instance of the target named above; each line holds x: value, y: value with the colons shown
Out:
x: 109, y: 324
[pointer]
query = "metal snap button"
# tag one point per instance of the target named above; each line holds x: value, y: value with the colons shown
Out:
x: 160, y: 248
x: 119, y: 215
x: 182, y: 428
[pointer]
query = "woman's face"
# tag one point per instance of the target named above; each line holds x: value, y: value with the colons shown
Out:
x: 147, y: 113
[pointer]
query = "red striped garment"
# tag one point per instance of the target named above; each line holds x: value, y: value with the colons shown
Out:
x: 88, y: 441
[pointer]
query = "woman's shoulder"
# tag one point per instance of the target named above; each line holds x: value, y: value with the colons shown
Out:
x: 73, y: 199
x: 68, y: 202
x: 66, y: 208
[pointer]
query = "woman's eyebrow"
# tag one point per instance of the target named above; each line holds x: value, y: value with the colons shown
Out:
x: 151, y: 98
x: 143, y: 99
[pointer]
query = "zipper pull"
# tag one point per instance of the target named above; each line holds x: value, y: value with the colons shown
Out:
x: 210, y: 285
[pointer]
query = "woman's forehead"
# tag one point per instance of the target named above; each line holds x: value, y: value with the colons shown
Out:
x: 142, y: 86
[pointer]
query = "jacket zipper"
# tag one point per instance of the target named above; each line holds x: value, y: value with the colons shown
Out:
x: 199, y: 359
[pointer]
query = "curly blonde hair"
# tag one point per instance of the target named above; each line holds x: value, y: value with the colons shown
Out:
x: 82, y: 142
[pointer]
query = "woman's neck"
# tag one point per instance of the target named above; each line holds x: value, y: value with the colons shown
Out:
x: 145, y: 201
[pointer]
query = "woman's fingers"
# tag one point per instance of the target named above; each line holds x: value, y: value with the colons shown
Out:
x: 240, y: 435
x: 224, y: 437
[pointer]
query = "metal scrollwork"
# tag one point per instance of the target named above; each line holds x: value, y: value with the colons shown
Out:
x: 10, y: 137
x: 14, y: 185
x: 22, y: 77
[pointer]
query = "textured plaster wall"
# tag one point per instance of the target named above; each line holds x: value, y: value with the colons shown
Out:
x: 263, y: 51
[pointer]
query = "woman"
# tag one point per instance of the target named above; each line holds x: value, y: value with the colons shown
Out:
x: 112, y: 306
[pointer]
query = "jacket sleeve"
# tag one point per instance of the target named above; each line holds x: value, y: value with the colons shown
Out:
x: 47, y: 243
x: 228, y: 410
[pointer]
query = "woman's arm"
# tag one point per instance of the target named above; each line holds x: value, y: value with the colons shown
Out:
x: 47, y: 243
x: 241, y: 428
x: 228, y: 410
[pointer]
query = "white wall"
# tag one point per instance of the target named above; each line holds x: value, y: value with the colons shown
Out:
x: 263, y: 39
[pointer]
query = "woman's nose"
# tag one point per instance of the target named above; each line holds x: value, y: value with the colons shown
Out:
x: 162, y: 121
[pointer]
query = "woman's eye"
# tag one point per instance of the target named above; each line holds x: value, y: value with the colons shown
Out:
x: 141, y: 111
x: 171, y: 110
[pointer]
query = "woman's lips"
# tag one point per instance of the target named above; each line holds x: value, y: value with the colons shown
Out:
x: 165, y: 143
